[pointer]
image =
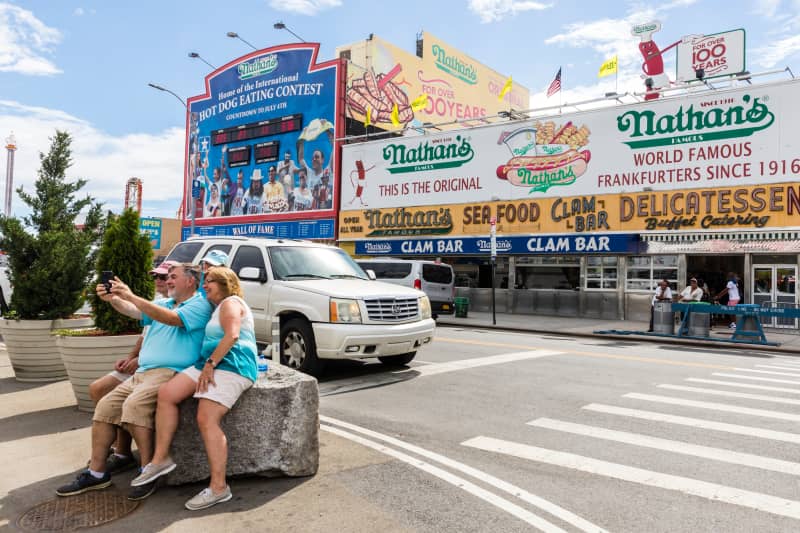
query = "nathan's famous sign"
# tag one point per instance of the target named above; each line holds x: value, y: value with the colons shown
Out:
x: 770, y: 206
x: 458, y: 88
x: 737, y: 137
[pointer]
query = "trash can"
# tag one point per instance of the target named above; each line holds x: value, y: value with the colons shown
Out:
x: 461, y: 306
x: 663, y: 318
x: 698, y: 321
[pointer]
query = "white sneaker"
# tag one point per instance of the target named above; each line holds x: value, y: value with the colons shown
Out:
x: 206, y: 498
x: 151, y: 472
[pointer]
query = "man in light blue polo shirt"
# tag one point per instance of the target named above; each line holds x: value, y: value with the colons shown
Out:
x: 177, y: 325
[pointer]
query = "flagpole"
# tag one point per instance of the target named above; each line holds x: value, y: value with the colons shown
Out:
x: 561, y: 90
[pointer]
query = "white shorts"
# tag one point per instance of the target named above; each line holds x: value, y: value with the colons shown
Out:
x: 229, y: 386
x: 120, y: 376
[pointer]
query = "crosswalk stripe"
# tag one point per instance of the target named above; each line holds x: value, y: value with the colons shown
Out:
x: 756, y: 378
x: 731, y: 394
x: 789, y: 374
x: 749, y: 431
x: 777, y: 367
x: 674, y: 446
x: 695, y: 487
x: 780, y: 415
x: 464, y: 364
x: 515, y: 510
x: 743, y: 385
x: 527, y: 497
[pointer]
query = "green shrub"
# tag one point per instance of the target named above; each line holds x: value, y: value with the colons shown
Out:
x: 126, y: 252
x: 50, y: 258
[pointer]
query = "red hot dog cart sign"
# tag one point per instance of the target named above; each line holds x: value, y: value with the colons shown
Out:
x: 742, y: 136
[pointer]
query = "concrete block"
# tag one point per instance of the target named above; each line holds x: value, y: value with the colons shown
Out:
x: 273, y: 430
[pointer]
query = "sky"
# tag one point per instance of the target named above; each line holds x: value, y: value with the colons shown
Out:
x: 84, y: 66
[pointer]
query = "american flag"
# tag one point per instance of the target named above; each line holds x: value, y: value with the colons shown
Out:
x: 555, y: 85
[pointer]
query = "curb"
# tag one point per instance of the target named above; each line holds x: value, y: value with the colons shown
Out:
x: 645, y: 338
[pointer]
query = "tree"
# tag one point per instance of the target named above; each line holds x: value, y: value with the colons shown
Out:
x: 126, y: 252
x: 51, y: 258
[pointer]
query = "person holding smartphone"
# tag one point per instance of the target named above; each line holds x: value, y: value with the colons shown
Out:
x: 120, y: 457
x: 172, y: 343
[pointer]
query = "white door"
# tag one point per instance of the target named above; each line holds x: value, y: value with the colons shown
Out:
x: 775, y: 286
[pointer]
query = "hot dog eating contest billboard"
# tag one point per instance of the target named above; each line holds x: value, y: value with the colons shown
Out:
x: 261, y: 147
x: 710, y: 161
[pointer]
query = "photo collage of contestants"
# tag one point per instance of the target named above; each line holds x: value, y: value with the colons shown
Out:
x: 301, y: 178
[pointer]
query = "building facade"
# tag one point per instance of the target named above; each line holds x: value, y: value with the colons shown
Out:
x: 591, y: 209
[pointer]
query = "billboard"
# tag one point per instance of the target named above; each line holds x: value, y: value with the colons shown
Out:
x: 260, y: 144
x: 754, y: 207
x: 152, y: 228
x: 718, y: 54
x: 736, y: 137
x: 539, y: 244
x: 458, y: 88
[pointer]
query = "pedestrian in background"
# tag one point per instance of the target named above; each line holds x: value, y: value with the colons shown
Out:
x: 663, y: 293
x: 732, y: 291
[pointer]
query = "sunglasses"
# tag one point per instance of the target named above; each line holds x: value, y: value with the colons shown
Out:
x: 160, y: 277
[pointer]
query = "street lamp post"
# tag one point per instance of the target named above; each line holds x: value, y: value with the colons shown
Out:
x: 234, y: 35
x: 164, y: 89
x: 281, y: 26
x: 195, y: 55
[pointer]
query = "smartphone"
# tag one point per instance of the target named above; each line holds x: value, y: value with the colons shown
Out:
x: 106, y: 278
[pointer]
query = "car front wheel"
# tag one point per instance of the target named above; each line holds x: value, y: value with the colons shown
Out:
x: 298, y: 348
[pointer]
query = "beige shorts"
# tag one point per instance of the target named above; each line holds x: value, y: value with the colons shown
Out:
x: 229, y: 386
x: 134, y: 400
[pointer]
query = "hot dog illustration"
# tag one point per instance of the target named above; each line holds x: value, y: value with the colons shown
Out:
x: 545, y: 154
x: 577, y: 161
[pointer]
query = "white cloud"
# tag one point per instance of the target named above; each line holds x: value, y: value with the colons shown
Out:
x: 25, y: 42
x: 304, y: 7
x: 495, y: 10
x: 79, y: 12
x: 767, y: 8
x: 776, y: 52
x: 105, y: 161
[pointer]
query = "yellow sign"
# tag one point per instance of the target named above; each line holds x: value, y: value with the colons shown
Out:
x: 714, y: 209
x: 381, y: 76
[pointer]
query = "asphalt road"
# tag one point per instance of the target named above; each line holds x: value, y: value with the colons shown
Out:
x: 498, y: 431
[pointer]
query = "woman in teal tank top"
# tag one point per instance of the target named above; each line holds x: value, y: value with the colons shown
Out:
x: 225, y: 369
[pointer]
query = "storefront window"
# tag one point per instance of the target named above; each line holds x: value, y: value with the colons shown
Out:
x: 645, y: 271
x: 601, y: 272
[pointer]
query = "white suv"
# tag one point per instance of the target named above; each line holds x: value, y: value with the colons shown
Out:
x: 327, y: 306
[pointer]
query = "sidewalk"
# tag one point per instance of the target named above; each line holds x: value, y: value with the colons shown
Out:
x: 45, y: 441
x: 587, y: 327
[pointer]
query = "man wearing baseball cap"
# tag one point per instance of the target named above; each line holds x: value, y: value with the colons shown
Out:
x: 121, y: 458
x: 214, y: 258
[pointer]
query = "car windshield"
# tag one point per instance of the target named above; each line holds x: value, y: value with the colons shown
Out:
x: 299, y: 262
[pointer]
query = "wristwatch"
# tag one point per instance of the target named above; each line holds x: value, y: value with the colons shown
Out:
x: 210, y: 361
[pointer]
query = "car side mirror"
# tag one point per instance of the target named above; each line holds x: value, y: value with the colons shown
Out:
x: 371, y: 274
x: 252, y: 274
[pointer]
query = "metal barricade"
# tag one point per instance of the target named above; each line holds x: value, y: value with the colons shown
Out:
x: 786, y: 322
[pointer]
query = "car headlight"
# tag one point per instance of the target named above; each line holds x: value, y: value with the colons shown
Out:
x: 424, y: 307
x: 345, y: 311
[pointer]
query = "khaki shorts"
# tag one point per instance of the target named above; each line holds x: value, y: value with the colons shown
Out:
x: 134, y: 400
x: 230, y: 386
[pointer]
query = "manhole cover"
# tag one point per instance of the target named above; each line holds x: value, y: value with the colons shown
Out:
x: 75, y: 512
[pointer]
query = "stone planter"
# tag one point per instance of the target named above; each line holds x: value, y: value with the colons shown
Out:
x: 32, y: 348
x: 90, y: 357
